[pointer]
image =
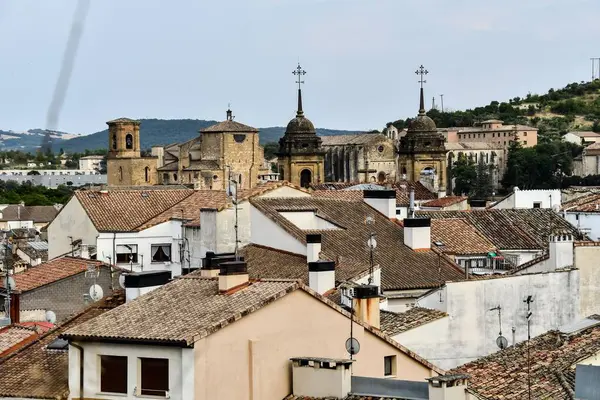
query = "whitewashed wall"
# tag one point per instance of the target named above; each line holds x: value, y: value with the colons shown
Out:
x: 586, y: 221
x: 72, y: 220
x: 265, y: 232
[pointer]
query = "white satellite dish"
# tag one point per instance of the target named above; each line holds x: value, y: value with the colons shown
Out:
x: 122, y: 281
x: 96, y: 292
x: 51, y: 317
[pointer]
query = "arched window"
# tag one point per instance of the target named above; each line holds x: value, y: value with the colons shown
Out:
x: 120, y: 174
x: 175, y: 177
x: 129, y: 141
x: 381, y: 177
x: 305, y: 178
x: 147, y: 173
x: 114, y: 141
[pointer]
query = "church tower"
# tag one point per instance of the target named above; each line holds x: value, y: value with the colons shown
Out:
x: 301, y: 159
x: 125, y: 166
x: 422, y: 152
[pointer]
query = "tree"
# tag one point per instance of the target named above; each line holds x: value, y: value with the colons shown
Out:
x: 483, y: 184
x: 271, y: 149
x: 464, y: 174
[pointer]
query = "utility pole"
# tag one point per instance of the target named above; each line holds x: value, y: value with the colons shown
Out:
x: 442, y: 97
x: 593, y: 68
x: 433, y: 103
x: 528, y: 300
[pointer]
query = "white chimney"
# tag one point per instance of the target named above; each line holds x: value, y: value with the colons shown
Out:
x: 561, y: 250
x: 208, y: 230
x: 321, y: 276
x: 448, y: 387
x: 313, y: 247
x: 383, y: 201
x: 321, y: 377
x: 84, y: 252
x: 233, y: 275
x: 139, y: 283
x: 417, y: 233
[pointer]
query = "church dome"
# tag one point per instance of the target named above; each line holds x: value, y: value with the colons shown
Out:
x: 422, y: 124
x: 300, y: 125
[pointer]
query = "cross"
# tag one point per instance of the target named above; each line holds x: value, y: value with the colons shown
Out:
x: 299, y: 72
x: 422, y: 71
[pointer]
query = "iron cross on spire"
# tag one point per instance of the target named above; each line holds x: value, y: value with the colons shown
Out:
x: 422, y: 71
x: 299, y: 72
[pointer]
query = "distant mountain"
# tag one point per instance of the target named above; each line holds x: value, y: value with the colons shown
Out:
x: 165, y: 131
x: 31, y: 139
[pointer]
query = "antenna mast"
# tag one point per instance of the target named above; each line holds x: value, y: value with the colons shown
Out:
x: 235, y: 203
x: 528, y: 300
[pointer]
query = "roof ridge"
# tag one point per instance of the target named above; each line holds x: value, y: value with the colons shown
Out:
x: 191, y: 193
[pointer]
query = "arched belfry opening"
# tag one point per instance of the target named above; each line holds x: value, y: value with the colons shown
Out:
x: 305, y: 178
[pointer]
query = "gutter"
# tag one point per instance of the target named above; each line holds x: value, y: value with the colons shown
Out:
x: 80, y: 368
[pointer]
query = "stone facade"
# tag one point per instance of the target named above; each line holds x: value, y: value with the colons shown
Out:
x: 125, y: 165
x: 359, y: 158
x: 207, y: 160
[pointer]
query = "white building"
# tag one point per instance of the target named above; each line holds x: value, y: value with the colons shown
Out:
x: 584, y: 213
x: 90, y: 163
x: 535, y: 198
x: 582, y: 138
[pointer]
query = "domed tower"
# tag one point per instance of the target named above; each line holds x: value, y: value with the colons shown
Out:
x: 301, y: 158
x: 422, y: 153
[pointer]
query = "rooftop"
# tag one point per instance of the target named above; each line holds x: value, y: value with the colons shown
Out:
x: 51, y: 271
x: 459, y: 237
x: 360, y: 138
x: 37, y: 214
x: 444, y: 201
x: 393, y: 323
x: 402, y: 268
x: 589, y: 203
x: 12, y: 336
x: 585, y: 134
x: 553, y: 356
x: 229, y: 126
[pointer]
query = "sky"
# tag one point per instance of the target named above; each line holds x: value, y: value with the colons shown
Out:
x: 190, y: 58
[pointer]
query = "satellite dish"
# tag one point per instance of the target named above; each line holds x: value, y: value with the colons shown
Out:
x: 352, y: 346
x: 122, y: 281
x: 502, y: 342
x: 51, y: 317
x: 96, y: 292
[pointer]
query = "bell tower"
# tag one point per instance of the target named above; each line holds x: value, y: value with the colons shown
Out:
x: 123, y: 138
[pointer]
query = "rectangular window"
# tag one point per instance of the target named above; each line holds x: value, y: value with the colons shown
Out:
x: 389, y: 365
x: 524, y: 133
x: 127, y: 253
x: 113, y: 374
x: 154, y: 376
x: 504, y: 134
x: 161, y: 252
x: 537, y: 204
x: 525, y: 142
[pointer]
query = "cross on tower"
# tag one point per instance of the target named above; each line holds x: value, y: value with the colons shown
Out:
x: 422, y: 71
x: 299, y: 72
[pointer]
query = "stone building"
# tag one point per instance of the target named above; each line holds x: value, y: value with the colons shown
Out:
x: 125, y: 165
x: 422, y: 154
x: 588, y: 162
x: 491, y: 154
x: 207, y: 161
x: 301, y: 157
x: 362, y: 158
x: 494, y: 131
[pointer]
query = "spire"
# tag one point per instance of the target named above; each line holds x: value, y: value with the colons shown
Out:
x: 422, y: 103
x: 422, y: 71
x: 299, y: 72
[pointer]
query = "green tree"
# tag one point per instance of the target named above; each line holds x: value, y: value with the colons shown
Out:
x: 464, y: 173
x: 271, y: 150
x: 483, y: 184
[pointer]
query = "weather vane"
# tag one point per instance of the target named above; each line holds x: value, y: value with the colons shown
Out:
x: 422, y: 71
x: 299, y: 72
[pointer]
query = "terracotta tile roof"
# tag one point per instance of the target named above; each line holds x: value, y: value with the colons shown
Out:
x: 511, y: 228
x: 123, y: 119
x: 229, y: 126
x: 589, y: 203
x: 349, y: 195
x: 35, y: 372
x: 51, y: 271
x: 37, y: 214
x: 421, y: 192
x: 12, y: 336
x: 444, y: 201
x: 127, y: 210
x: 503, y: 375
x: 460, y: 237
x: 394, y: 323
x: 585, y: 133
x: 332, y: 185
x: 402, y: 268
x: 360, y: 138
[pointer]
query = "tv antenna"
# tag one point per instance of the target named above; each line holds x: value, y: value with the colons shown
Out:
x: 372, y: 243
x: 528, y: 301
x: 95, y: 291
x: 501, y: 341
x: 352, y: 344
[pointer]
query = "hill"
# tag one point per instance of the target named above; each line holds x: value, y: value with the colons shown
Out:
x: 32, y: 138
x: 162, y: 132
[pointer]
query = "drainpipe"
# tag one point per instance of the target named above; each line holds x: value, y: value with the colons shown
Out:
x: 80, y: 369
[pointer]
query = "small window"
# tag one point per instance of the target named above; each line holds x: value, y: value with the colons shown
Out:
x: 154, y: 376
x: 161, y: 253
x: 113, y: 374
x: 127, y: 253
x: 537, y: 204
x: 504, y: 134
x: 524, y: 133
x: 525, y: 142
x: 175, y: 177
x: 389, y: 365
x: 114, y: 142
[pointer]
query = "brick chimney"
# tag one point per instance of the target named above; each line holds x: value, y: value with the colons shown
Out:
x: 366, y: 304
x: 321, y: 276
x: 383, y: 201
x: 321, y: 377
x: 313, y: 247
x: 448, y: 387
x: 417, y: 233
x: 232, y: 275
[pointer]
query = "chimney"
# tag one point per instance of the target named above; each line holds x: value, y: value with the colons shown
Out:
x: 417, y: 233
x: 208, y: 230
x: 383, y: 201
x: 321, y: 276
x: 233, y: 274
x: 561, y: 250
x: 139, y: 283
x: 211, y: 264
x: 411, y: 203
x: 448, y: 387
x: 85, y: 252
x: 366, y: 304
x: 321, y: 377
x: 313, y: 247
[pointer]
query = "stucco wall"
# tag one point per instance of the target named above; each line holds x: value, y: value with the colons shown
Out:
x: 471, y: 329
x: 589, y: 221
x: 72, y: 220
x: 249, y: 359
x: 586, y: 261
x: 267, y: 233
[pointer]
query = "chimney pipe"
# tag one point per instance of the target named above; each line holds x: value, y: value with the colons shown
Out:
x: 366, y: 304
x: 411, y: 203
x: 233, y: 274
x: 321, y: 276
x: 383, y: 201
x: 417, y: 233
x: 313, y: 247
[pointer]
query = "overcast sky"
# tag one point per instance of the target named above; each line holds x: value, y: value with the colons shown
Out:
x: 189, y: 58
